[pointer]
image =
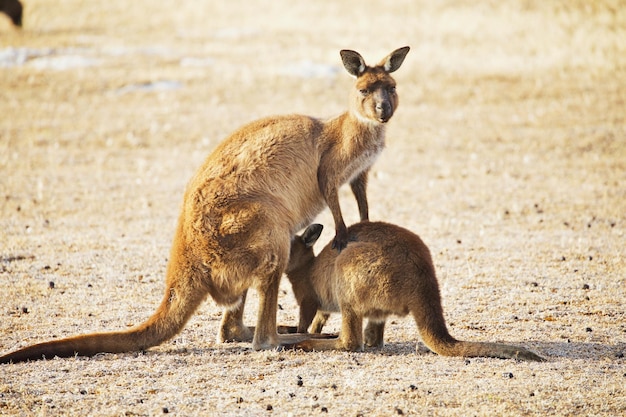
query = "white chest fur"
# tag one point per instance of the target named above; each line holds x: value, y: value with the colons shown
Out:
x: 364, y: 160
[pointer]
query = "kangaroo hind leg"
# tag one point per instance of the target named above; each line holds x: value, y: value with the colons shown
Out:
x: 232, y: 328
x: 374, y: 333
x: 319, y: 321
x: 266, y: 331
x: 350, y: 338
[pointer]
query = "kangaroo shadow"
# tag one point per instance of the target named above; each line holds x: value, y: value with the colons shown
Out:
x: 551, y: 351
x: 579, y: 350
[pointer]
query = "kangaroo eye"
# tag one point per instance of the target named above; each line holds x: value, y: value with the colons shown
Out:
x: 364, y: 91
x: 392, y: 90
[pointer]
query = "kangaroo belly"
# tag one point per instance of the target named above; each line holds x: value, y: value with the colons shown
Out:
x: 380, y: 313
x: 330, y: 306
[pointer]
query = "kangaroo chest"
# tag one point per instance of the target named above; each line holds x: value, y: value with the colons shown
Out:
x: 362, y: 160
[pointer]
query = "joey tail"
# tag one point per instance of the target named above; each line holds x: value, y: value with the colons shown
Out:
x: 169, y: 319
x: 436, y: 337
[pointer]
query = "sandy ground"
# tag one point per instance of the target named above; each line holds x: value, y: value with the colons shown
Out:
x: 507, y: 155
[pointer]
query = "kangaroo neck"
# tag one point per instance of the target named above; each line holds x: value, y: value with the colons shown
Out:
x: 353, y: 121
x: 353, y: 132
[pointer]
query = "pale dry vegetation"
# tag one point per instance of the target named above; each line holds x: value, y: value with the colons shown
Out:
x: 507, y: 155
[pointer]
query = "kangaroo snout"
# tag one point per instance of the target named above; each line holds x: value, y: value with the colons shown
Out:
x: 384, y: 111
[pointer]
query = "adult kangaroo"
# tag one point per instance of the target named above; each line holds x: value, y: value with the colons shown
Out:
x: 253, y: 193
x: 385, y: 270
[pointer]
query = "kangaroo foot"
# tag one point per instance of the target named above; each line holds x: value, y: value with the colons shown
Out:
x: 314, y: 342
x: 286, y: 329
x: 235, y: 332
x: 373, y: 334
x: 286, y: 340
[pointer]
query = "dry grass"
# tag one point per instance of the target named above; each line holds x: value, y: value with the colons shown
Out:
x: 507, y: 155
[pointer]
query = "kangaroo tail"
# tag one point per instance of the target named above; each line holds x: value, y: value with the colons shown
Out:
x: 495, y: 350
x: 453, y: 347
x: 436, y: 336
x: 175, y: 310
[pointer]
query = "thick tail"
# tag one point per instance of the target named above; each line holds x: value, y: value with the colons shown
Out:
x: 482, y: 349
x: 434, y: 332
x: 176, y: 308
x: 495, y: 350
x: 441, y: 342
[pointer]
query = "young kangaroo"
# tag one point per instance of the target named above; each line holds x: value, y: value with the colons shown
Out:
x: 259, y: 187
x: 384, y: 270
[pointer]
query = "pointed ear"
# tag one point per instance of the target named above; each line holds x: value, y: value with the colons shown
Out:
x: 311, y: 234
x: 353, y: 62
x: 393, y: 61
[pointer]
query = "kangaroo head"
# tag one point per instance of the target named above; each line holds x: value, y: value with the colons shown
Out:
x: 374, y: 96
x: 302, y: 247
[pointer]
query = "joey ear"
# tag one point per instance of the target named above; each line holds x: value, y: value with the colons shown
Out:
x: 393, y: 61
x: 353, y: 62
x: 311, y: 234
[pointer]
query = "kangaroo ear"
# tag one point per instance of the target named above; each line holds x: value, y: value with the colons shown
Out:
x: 353, y: 62
x: 311, y: 234
x: 393, y: 61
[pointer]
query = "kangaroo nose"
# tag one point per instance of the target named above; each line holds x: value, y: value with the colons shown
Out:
x: 383, y: 111
x: 383, y: 106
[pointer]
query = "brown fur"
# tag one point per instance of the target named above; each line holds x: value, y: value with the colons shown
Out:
x: 384, y: 270
x: 259, y: 187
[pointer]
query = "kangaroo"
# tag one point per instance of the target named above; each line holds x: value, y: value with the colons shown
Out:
x: 260, y: 186
x: 13, y: 9
x: 385, y: 270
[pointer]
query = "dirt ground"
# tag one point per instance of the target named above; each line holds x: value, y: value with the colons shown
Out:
x: 507, y: 155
